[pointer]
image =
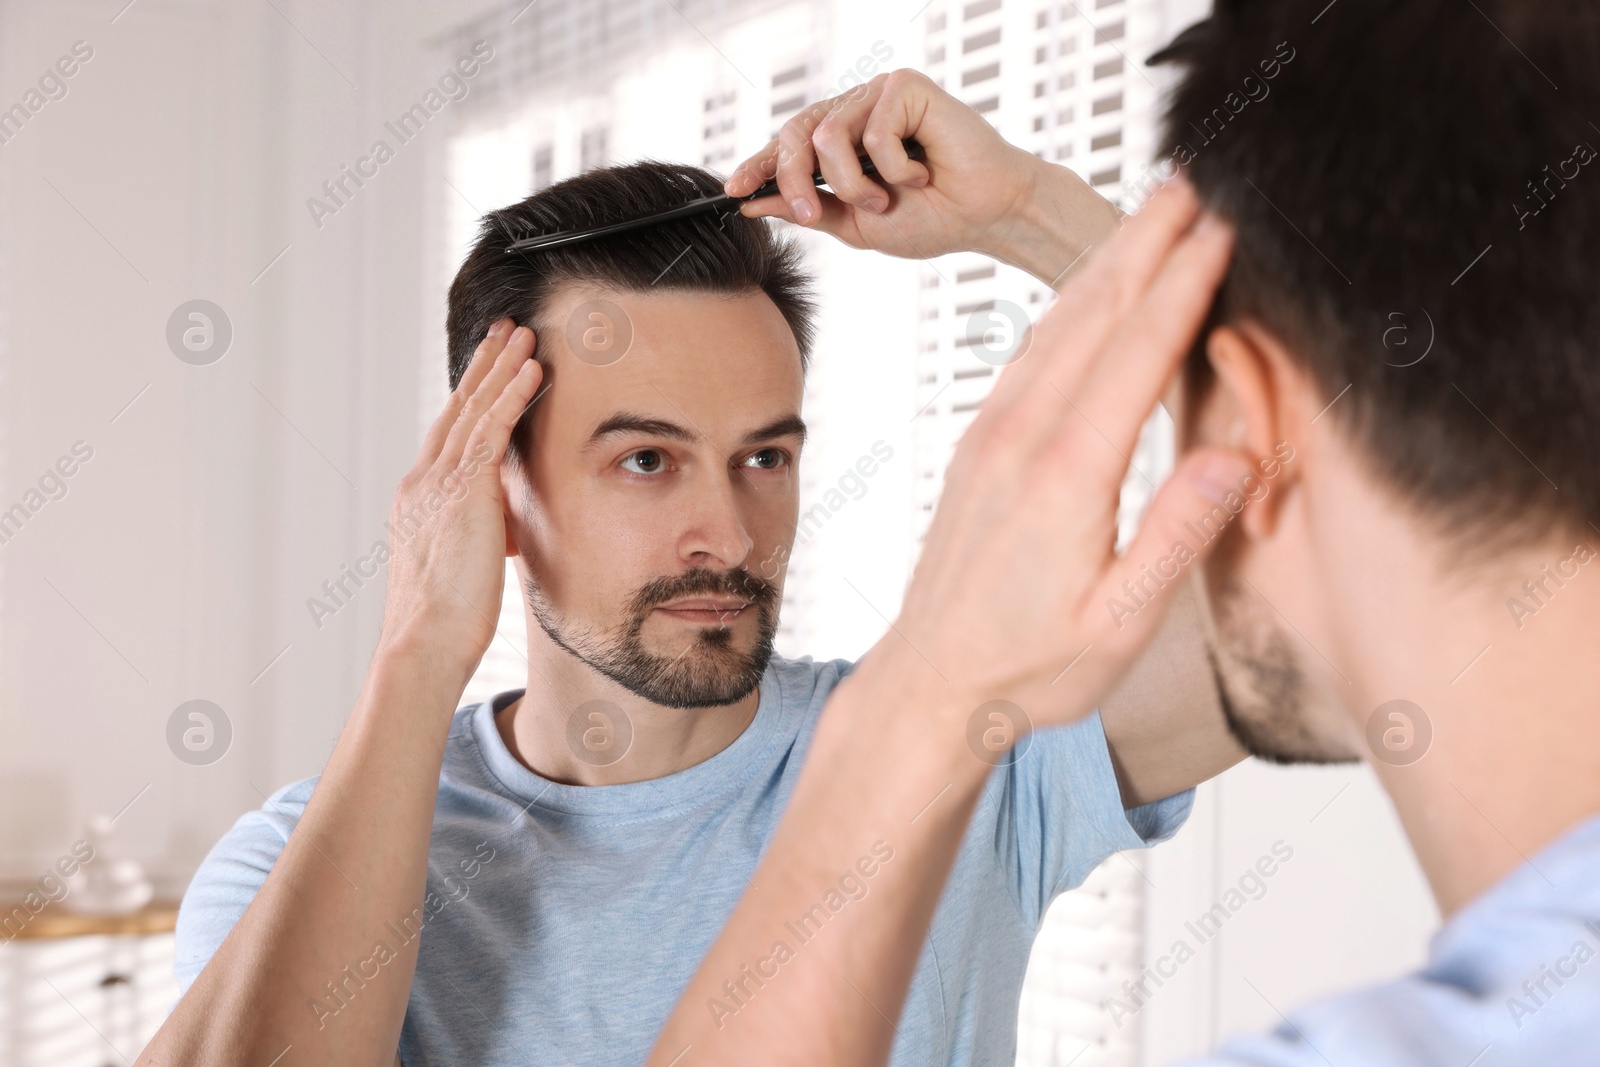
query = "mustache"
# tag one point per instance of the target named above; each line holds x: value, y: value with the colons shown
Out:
x: 700, y: 581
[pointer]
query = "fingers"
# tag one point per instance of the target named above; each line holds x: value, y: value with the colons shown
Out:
x: 837, y: 219
x: 1091, y: 306
x: 898, y: 114
x: 493, y: 429
x: 1121, y: 386
x: 797, y: 161
x: 883, y: 138
x: 482, y: 359
x: 828, y: 136
x: 1193, y: 505
x: 517, y: 350
x: 1143, y: 240
x: 1115, y: 279
x: 750, y: 175
x: 825, y: 135
x: 835, y: 140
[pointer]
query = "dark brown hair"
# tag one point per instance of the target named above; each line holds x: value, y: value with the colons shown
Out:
x: 1408, y: 159
x: 710, y: 252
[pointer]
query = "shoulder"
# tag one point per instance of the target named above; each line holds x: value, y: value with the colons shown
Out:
x: 266, y: 828
x: 806, y: 682
x: 230, y: 875
x: 238, y: 864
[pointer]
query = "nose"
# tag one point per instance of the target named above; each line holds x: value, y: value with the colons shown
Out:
x: 715, y: 535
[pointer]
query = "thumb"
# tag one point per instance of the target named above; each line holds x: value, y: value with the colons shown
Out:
x: 1185, y: 521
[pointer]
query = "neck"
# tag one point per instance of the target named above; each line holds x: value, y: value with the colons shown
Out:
x: 623, y: 739
x: 1514, y: 760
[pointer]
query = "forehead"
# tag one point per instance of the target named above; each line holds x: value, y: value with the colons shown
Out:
x: 725, y: 363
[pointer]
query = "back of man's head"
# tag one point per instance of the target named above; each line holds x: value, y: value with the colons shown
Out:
x: 712, y: 252
x: 1398, y: 171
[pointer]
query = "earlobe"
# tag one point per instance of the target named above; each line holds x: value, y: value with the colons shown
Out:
x: 1247, y: 407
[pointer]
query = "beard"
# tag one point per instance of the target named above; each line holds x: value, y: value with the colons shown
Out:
x: 1260, y: 683
x: 709, y: 671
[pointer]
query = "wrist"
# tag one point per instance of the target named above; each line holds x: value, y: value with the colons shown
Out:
x: 906, y: 707
x: 1058, y: 218
x: 414, y: 657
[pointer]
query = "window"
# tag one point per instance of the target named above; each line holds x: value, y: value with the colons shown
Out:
x: 1109, y: 68
x: 1107, y: 104
x: 981, y: 40
x: 1066, y: 81
x: 980, y: 74
x: 793, y: 74
x: 1064, y: 47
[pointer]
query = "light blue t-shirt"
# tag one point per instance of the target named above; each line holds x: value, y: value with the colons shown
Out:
x: 1512, y: 980
x: 562, y: 922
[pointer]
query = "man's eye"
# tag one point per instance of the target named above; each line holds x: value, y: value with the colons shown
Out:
x: 767, y: 459
x: 644, y: 461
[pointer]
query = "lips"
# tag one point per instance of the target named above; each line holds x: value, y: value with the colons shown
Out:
x: 707, y: 603
x: 705, y: 609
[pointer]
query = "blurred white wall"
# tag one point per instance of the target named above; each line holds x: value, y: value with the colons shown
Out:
x: 220, y: 497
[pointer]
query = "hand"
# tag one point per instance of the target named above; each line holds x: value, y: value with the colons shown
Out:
x: 973, y: 191
x: 1018, y: 565
x: 448, y: 525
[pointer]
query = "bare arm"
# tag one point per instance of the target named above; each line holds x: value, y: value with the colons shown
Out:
x: 1012, y: 586
x: 975, y: 192
x: 357, y: 860
x: 1163, y: 721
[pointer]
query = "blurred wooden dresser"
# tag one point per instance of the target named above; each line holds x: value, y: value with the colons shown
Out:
x: 84, y: 990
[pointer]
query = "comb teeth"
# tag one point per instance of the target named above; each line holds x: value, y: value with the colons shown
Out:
x: 693, y: 207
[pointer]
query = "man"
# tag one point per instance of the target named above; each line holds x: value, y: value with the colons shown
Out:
x: 535, y: 879
x: 1417, y: 566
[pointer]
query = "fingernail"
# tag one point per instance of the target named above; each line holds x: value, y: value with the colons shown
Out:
x: 802, y: 210
x: 876, y: 204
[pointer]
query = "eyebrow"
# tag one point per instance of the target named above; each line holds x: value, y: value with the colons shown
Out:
x: 628, y: 422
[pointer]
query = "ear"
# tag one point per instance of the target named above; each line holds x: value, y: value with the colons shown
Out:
x: 1252, y: 407
x: 510, y: 476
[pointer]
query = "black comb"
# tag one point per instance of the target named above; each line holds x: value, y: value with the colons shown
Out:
x: 718, y: 202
